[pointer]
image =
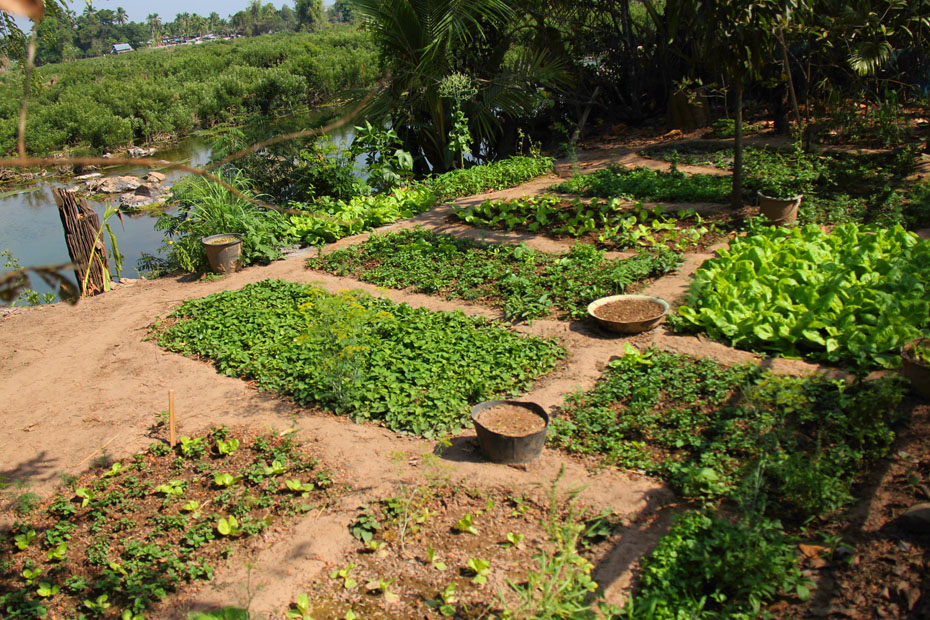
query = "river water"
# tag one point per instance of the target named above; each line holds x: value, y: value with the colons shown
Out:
x: 31, y: 228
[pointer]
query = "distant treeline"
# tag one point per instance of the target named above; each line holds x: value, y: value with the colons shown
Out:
x: 65, y: 35
x: 131, y: 98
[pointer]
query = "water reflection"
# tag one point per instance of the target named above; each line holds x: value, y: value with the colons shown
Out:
x: 31, y: 228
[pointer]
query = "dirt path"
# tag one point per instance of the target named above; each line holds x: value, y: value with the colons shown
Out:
x: 81, y: 383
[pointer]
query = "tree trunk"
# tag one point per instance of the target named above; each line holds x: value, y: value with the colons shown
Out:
x: 736, y: 198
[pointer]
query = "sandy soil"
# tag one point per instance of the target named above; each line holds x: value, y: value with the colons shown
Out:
x: 82, y: 383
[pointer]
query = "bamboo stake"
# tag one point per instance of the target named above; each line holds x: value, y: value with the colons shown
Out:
x: 171, y: 418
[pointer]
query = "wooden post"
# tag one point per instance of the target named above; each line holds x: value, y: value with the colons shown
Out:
x: 82, y: 236
x: 171, y: 420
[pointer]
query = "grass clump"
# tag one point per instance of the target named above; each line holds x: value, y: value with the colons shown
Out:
x: 207, y: 208
x: 525, y: 283
x: 411, y: 369
x: 648, y: 184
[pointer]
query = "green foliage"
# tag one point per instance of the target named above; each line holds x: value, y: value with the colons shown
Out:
x: 386, y: 163
x: 651, y: 185
x: 726, y: 128
x: 206, y: 208
x: 852, y: 296
x: 526, y: 283
x: 28, y: 296
x: 330, y: 219
x: 614, y: 222
x: 303, y: 169
x: 709, y: 568
x: 491, y: 176
x: 119, y: 554
x: 480, y: 569
x: 421, y: 368
x: 116, y: 100
x: 466, y: 524
x: 710, y: 430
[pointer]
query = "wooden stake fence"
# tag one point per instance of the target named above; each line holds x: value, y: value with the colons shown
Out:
x: 82, y: 234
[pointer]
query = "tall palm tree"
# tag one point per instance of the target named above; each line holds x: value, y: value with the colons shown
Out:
x: 121, y: 16
x: 423, y: 42
x: 154, y: 23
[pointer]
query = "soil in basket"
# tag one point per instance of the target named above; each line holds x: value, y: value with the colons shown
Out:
x: 223, y: 241
x: 511, y: 421
x: 628, y: 311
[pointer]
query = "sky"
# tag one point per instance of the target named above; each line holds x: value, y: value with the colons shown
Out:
x: 167, y: 9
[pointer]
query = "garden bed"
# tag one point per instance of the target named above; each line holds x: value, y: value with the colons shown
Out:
x: 411, y: 369
x: 650, y: 185
x: 525, y: 283
x: 127, y: 537
x: 441, y: 551
x: 613, y: 224
x: 705, y: 427
x: 853, y: 296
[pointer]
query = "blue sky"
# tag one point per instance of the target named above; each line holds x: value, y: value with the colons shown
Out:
x: 167, y: 9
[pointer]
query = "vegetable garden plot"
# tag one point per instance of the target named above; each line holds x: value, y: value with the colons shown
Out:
x: 411, y: 369
x: 852, y: 296
x: 648, y: 184
x: 525, y: 283
x: 715, y: 431
x: 613, y: 223
x: 441, y: 551
x: 121, y: 540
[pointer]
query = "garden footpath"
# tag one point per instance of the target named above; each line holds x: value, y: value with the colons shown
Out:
x: 80, y: 384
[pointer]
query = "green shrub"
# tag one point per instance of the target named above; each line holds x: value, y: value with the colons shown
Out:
x: 707, y: 567
x: 486, y: 177
x: 410, y: 369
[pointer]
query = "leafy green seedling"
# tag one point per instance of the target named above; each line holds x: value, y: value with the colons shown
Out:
x: 300, y: 609
x: 229, y: 526
x: 445, y: 602
x: 46, y: 589
x: 191, y: 446
x: 350, y: 615
x: 191, y: 506
x: 297, y: 486
x: 481, y: 568
x: 128, y: 615
x: 513, y: 540
x: 22, y: 540
x: 58, y: 553
x: 117, y: 568
x: 225, y: 480
x: 173, y: 488
x: 378, y: 547
x: 277, y: 468
x: 343, y: 573
x: 86, y: 495
x: 227, y: 447
x: 487, y: 507
x: 466, y: 524
x: 31, y: 574
x: 382, y: 586
x: 432, y: 560
x: 114, y: 470
x: 365, y: 527
x: 99, y: 604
